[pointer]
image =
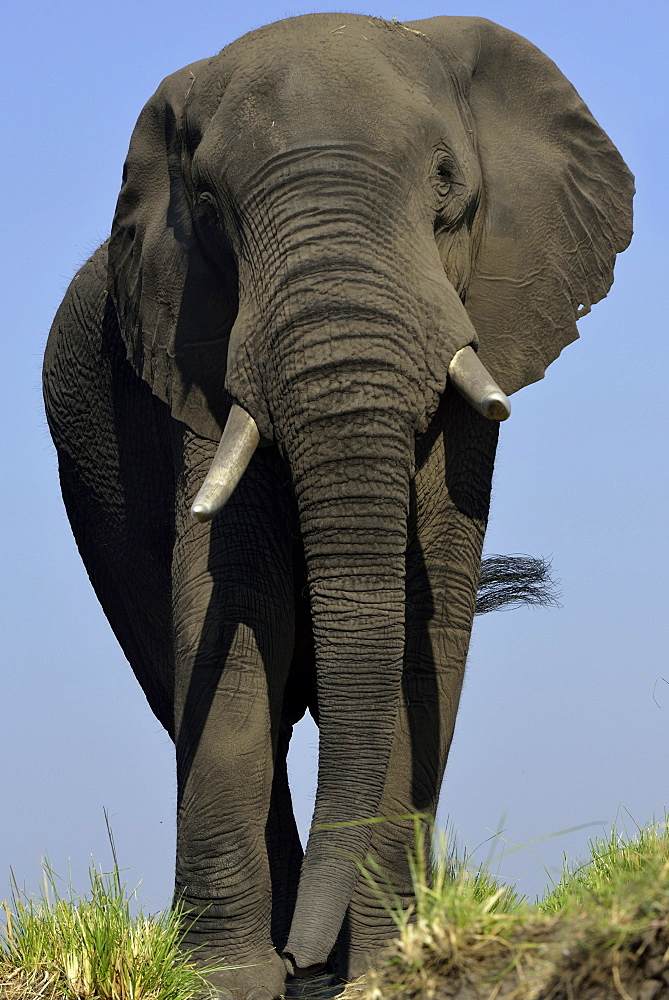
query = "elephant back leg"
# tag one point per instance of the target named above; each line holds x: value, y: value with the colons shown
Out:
x: 283, y: 841
x: 449, y: 510
x: 116, y: 467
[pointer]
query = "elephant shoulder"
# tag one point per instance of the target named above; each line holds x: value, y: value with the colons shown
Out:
x: 102, y: 417
x: 85, y: 366
x: 80, y: 316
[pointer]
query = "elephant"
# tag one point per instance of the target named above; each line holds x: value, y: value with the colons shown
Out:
x: 275, y: 392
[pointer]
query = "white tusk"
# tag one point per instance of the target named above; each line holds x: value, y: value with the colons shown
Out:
x: 473, y: 381
x: 238, y: 442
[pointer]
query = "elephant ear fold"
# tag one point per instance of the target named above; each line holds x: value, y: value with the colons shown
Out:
x: 557, y: 200
x: 174, y: 314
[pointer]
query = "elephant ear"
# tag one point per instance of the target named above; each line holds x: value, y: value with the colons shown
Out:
x: 557, y: 198
x: 175, y: 315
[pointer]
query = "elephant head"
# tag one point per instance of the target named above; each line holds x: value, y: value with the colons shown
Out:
x: 312, y: 225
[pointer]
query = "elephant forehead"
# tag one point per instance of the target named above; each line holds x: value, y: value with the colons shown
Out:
x: 326, y: 79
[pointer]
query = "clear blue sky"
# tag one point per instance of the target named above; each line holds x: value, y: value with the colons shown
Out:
x: 559, y: 726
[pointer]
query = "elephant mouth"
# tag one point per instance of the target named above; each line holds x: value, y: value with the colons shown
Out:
x: 241, y: 436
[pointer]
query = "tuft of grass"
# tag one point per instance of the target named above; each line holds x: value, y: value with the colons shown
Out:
x: 620, y: 870
x: 601, y: 932
x: 56, y: 944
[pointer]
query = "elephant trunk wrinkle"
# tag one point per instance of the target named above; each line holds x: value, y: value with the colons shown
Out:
x: 352, y: 490
x: 325, y: 343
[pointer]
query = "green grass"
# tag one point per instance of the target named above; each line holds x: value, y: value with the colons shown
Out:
x: 620, y: 870
x: 92, y: 947
x: 602, y: 931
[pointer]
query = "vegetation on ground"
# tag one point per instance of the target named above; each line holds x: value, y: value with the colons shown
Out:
x: 601, y: 933
x: 58, y: 946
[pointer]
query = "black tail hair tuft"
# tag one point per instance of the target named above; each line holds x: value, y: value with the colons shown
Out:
x: 511, y: 581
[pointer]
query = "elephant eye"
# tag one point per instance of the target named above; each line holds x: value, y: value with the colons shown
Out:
x: 207, y: 210
x: 208, y: 200
x: 455, y: 191
x: 444, y: 179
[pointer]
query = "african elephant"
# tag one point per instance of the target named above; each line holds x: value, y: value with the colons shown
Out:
x: 321, y: 232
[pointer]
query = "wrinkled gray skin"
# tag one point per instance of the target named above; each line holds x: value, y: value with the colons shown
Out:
x: 311, y: 224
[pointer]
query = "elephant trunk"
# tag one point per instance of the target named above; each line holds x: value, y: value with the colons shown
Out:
x: 351, y: 475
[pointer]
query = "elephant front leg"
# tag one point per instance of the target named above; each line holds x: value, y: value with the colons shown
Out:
x: 284, y: 848
x: 234, y: 625
x: 449, y: 510
x: 423, y: 733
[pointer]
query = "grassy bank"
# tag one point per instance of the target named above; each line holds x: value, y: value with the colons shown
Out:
x: 601, y: 933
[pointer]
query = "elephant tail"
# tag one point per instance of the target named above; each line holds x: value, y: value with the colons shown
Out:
x: 511, y: 581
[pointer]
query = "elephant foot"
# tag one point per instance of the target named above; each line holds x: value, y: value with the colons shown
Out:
x: 320, y: 986
x: 263, y: 979
x: 353, y: 964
